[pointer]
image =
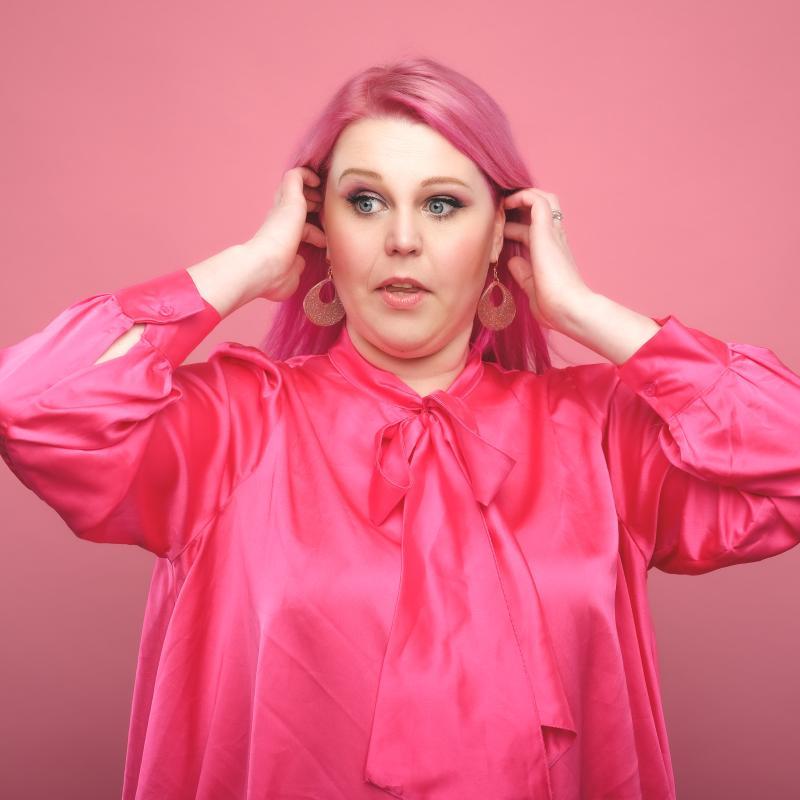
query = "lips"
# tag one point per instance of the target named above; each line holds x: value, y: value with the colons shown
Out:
x: 402, y: 299
x: 398, y: 282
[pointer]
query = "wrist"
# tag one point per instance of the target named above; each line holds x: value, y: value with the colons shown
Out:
x: 227, y: 280
x: 573, y: 315
x: 609, y: 328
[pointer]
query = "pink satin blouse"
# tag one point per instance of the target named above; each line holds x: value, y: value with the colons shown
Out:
x: 362, y: 592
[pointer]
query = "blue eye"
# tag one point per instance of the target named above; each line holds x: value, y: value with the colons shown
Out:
x: 357, y: 197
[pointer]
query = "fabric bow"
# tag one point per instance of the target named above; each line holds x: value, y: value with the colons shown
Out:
x: 485, y: 466
x: 470, y: 702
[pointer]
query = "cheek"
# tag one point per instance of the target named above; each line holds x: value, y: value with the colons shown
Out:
x: 344, y: 243
x: 462, y: 263
x: 351, y: 257
x: 344, y: 233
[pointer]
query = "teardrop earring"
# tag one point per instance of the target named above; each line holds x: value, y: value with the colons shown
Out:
x: 496, y: 317
x: 318, y: 311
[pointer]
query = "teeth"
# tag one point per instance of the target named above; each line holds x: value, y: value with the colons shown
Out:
x: 402, y: 286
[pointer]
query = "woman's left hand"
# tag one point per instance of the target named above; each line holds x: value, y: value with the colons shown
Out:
x: 552, y: 282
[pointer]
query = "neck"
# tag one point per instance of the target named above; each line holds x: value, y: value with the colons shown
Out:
x: 424, y: 374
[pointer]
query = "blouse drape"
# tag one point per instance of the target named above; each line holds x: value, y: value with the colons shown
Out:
x: 362, y: 592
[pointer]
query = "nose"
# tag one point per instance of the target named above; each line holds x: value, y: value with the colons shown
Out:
x: 403, y: 236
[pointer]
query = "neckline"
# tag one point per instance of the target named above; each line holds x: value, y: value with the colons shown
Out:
x: 384, y: 385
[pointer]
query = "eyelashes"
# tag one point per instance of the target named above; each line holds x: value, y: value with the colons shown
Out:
x: 355, y: 197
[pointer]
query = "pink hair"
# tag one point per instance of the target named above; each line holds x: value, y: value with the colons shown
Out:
x: 422, y: 90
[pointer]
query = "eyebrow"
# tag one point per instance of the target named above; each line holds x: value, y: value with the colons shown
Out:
x: 377, y: 176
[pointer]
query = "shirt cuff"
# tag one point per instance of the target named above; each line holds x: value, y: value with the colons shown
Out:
x: 674, y: 366
x: 179, y: 317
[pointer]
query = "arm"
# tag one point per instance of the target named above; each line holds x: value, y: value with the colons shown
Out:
x: 609, y: 328
x: 702, y: 442
x: 221, y: 281
x: 130, y: 446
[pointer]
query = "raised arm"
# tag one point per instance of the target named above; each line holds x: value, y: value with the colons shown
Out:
x: 222, y: 281
x: 702, y: 441
x: 99, y: 418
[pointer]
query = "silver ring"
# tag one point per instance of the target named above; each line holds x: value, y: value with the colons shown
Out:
x: 557, y: 214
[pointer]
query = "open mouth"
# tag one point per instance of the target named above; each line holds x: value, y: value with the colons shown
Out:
x: 402, y: 297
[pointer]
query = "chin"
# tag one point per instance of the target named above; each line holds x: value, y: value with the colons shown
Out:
x: 403, y: 341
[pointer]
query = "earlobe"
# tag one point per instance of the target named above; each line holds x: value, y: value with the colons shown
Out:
x: 500, y: 241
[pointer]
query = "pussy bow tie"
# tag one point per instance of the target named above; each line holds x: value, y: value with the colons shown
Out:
x: 470, y: 703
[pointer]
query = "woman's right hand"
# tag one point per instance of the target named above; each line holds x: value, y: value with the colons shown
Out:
x: 275, y: 244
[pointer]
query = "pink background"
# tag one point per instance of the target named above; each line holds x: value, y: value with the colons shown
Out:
x: 143, y: 137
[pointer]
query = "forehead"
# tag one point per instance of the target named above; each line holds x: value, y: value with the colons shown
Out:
x: 400, y: 150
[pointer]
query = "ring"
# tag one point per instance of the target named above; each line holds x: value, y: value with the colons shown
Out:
x: 557, y: 214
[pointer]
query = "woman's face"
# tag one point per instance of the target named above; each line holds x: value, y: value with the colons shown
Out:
x: 397, y: 222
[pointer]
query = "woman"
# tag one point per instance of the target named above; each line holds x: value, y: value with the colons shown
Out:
x: 399, y: 553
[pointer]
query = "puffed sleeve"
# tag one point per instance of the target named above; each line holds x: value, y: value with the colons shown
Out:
x: 702, y: 442
x: 136, y: 449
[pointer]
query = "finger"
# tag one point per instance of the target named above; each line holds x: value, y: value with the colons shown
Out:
x: 290, y: 182
x: 312, y: 195
x: 313, y: 235
x: 519, y: 199
x: 294, y: 181
x: 309, y: 176
x: 523, y: 196
x: 541, y: 211
x: 555, y: 205
x: 522, y: 272
x: 518, y: 231
x: 541, y: 203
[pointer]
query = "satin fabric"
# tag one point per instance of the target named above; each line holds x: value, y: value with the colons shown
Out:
x: 480, y: 653
x: 360, y: 592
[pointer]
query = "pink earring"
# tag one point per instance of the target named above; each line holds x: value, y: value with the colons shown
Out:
x: 318, y: 311
x: 496, y: 317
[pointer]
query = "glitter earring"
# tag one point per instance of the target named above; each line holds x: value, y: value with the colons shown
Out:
x: 496, y: 317
x: 317, y: 310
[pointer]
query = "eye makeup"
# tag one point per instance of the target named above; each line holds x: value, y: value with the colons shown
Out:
x: 356, y: 196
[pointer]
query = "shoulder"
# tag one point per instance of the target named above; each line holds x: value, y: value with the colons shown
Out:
x: 234, y: 373
x: 582, y: 388
x: 243, y: 365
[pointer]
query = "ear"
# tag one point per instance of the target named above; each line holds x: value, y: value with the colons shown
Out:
x: 498, y: 237
x: 321, y: 218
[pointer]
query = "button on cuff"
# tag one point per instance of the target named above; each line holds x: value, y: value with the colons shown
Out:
x: 165, y: 298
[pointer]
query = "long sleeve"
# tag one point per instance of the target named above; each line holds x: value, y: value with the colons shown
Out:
x: 702, y: 442
x: 136, y: 449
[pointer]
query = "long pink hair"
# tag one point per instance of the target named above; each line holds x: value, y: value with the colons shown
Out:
x: 422, y: 90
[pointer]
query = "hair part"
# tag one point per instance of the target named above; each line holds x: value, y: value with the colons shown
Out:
x: 426, y: 91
